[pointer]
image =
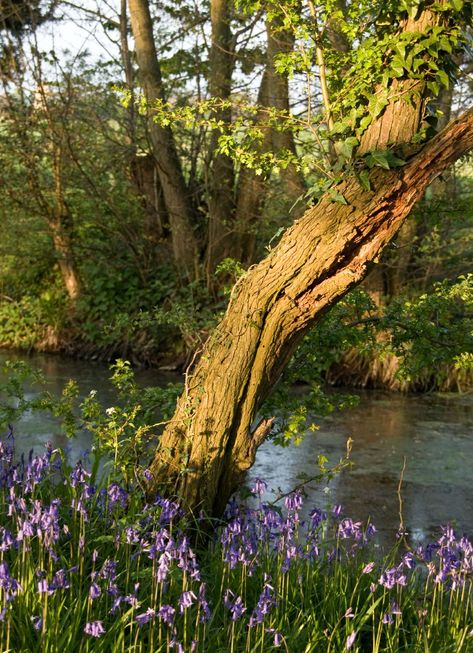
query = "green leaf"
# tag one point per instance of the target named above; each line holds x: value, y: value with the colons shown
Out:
x: 378, y: 158
x: 443, y: 78
x: 364, y: 123
x: 345, y: 148
x: 364, y: 179
x: 339, y: 127
x: 335, y: 196
x: 397, y: 67
x: 376, y: 104
x: 394, y: 161
x: 434, y: 87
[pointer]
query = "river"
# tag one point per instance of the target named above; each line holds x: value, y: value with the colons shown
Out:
x: 431, y: 435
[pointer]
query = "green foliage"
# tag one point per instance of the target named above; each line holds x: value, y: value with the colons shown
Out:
x: 123, y: 436
x: 433, y: 331
x: 32, y: 321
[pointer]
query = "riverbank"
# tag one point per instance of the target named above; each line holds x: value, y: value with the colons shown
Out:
x: 431, y: 432
x: 356, y: 368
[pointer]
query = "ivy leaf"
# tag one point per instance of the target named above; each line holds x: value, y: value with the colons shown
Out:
x: 339, y: 127
x: 335, y: 196
x: 345, y: 148
x: 397, y: 66
x: 378, y: 158
x: 442, y: 77
x: 377, y: 104
x: 364, y: 179
x: 383, y: 159
x: 394, y: 161
x: 434, y: 87
x: 364, y: 123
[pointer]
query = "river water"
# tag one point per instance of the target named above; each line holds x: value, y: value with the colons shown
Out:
x: 431, y: 436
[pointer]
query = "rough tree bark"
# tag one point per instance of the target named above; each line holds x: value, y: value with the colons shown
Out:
x: 210, y: 442
x: 61, y: 226
x: 58, y: 216
x: 175, y: 192
x: 281, y: 42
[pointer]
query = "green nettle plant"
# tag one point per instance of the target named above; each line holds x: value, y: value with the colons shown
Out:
x: 88, y: 562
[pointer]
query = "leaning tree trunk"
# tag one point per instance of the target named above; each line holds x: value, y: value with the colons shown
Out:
x: 210, y: 442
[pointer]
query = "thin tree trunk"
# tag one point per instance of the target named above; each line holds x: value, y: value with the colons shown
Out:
x: 251, y: 192
x: 58, y: 216
x: 281, y: 42
x: 176, y: 195
x: 252, y: 188
x: 221, y: 204
x: 143, y: 169
x: 61, y: 227
x: 210, y: 441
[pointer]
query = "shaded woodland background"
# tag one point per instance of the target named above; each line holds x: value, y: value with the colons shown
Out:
x: 126, y: 222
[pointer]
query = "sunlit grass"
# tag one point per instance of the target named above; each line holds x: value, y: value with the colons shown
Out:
x: 99, y: 569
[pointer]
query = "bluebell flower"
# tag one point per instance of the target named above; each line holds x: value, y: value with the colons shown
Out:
x: 145, y: 617
x: 234, y: 604
x: 117, y: 494
x: 316, y: 517
x: 186, y: 600
x: 177, y: 645
x: 43, y: 587
x: 37, y: 622
x: 166, y: 613
x: 294, y: 501
x: 206, y: 612
x: 10, y: 585
x: 94, y: 591
x: 265, y: 602
x: 350, y: 640
x: 132, y: 600
x: 109, y: 570
x: 79, y: 475
x: 59, y: 580
x: 94, y: 628
x: 259, y: 487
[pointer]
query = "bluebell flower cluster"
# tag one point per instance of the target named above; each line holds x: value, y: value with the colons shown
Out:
x: 128, y: 569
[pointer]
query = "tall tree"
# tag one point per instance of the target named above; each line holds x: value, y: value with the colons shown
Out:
x: 211, y: 439
x: 222, y: 178
x: 175, y: 192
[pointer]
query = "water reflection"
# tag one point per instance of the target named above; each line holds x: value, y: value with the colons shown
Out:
x: 432, y: 433
x: 37, y: 428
